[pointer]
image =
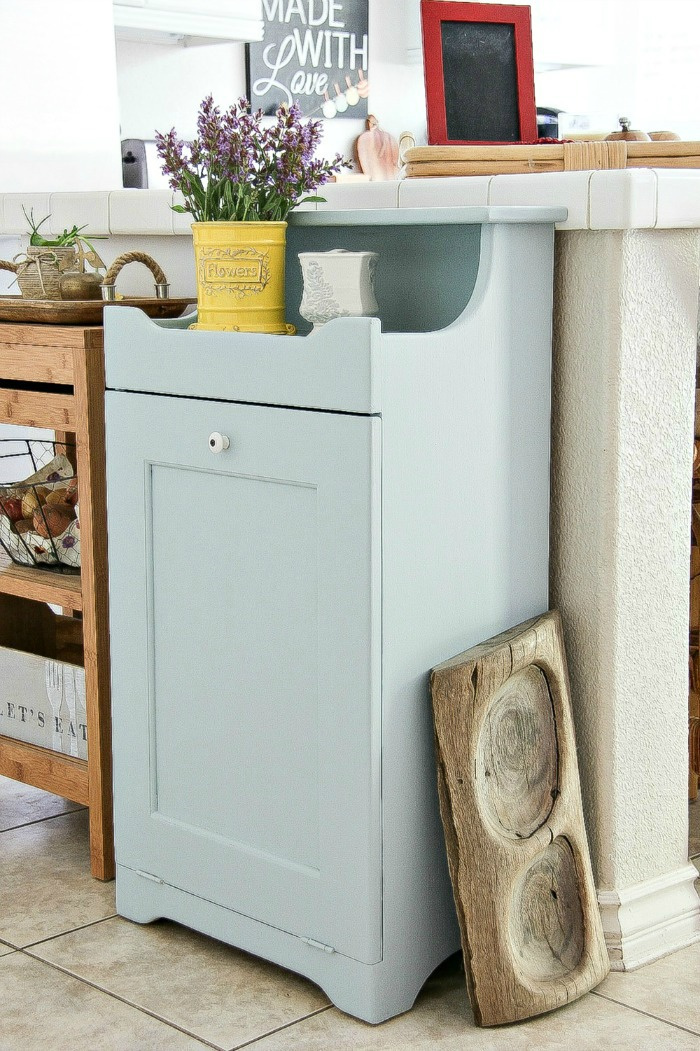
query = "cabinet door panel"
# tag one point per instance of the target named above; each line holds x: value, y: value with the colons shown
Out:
x: 256, y: 641
x: 245, y: 633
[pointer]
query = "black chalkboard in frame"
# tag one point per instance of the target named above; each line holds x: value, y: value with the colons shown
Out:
x: 479, y: 73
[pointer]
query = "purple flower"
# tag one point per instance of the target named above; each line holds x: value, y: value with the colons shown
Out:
x: 239, y: 168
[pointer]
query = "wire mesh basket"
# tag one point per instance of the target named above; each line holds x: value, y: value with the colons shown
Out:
x: 39, y: 515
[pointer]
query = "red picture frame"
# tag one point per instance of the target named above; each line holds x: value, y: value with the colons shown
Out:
x: 465, y: 91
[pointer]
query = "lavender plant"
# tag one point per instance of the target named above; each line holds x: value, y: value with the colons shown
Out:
x: 235, y: 169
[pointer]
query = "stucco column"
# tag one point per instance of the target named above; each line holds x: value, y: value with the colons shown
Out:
x: 626, y: 307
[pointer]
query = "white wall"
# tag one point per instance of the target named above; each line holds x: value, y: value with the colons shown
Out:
x: 161, y: 85
x: 59, y: 124
x: 631, y: 57
x: 397, y: 90
x: 643, y: 64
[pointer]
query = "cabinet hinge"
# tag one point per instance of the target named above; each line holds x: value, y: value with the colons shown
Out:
x: 318, y: 945
x: 148, y: 875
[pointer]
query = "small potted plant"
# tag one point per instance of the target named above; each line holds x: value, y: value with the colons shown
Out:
x: 240, y: 177
x: 41, y: 269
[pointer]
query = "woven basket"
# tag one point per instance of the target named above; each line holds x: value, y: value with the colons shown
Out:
x: 39, y: 274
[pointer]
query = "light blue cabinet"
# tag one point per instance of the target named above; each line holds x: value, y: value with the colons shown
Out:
x: 276, y: 606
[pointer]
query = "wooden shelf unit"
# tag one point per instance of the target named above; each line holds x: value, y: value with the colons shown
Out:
x: 52, y: 377
x: 694, y: 639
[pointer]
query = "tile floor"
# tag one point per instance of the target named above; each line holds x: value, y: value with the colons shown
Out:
x: 74, y: 975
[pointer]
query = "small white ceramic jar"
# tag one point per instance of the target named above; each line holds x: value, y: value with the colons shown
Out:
x: 337, y: 284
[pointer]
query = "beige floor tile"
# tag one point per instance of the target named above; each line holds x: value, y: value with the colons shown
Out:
x: 668, y: 989
x: 209, y: 989
x: 46, y: 887
x: 4, y: 949
x: 43, y: 1008
x: 20, y: 804
x: 442, y: 1021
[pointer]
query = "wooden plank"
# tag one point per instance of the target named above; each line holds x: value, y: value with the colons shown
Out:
x: 67, y: 439
x: 442, y: 169
x: 27, y: 626
x: 511, y: 809
x: 663, y: 149
x: 63, y: 775
x: 695, y: 582
x: 42, y: 585
x: 516, y: 152
x: 42, y: 409
x: 546, y: 151
x: 36, y: 364
x: 648, y: 161
x: 694, y: 744
x: 90, y: 453
x: 65, y: 337
x: 512, y: 167
x: 33, y: 627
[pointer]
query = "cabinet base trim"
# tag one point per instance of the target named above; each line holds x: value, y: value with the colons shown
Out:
x: 372, y: 992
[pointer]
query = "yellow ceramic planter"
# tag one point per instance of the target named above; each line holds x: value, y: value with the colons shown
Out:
x: 240, y: 276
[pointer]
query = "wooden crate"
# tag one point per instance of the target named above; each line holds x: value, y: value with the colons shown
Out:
x: 43, y: 702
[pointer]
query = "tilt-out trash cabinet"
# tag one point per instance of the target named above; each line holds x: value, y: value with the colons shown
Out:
x: 277, y: 602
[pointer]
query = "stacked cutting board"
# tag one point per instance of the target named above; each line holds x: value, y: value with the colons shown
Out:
x: 517, y: 158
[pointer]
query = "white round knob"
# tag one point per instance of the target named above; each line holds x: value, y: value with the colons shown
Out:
x: 218, y: 442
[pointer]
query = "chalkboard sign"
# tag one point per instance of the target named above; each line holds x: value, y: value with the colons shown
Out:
x: 479, y: 73
x: 314, y: 52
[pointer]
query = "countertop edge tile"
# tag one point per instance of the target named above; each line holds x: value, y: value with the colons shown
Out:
x: 89, y: 210
x: 141, y: 212
x: 570, y: 190
x: 618, y: 199
x: 452, y: 191
x: 624, y: 199
x: 14, y: 221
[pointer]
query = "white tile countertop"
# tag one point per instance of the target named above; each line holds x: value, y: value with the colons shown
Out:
x: 632, y: 198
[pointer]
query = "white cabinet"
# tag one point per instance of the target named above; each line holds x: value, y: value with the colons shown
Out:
x: 565, y: 36
x: 276, y: 606
x: 203, y: 20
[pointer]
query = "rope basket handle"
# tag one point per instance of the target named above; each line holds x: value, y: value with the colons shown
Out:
x: 134, y: 257
x: 5, y: 264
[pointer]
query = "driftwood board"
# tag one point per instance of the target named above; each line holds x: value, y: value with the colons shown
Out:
x: 511, y: 809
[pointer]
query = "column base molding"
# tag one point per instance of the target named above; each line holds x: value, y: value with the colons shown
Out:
x: 651, y: 919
